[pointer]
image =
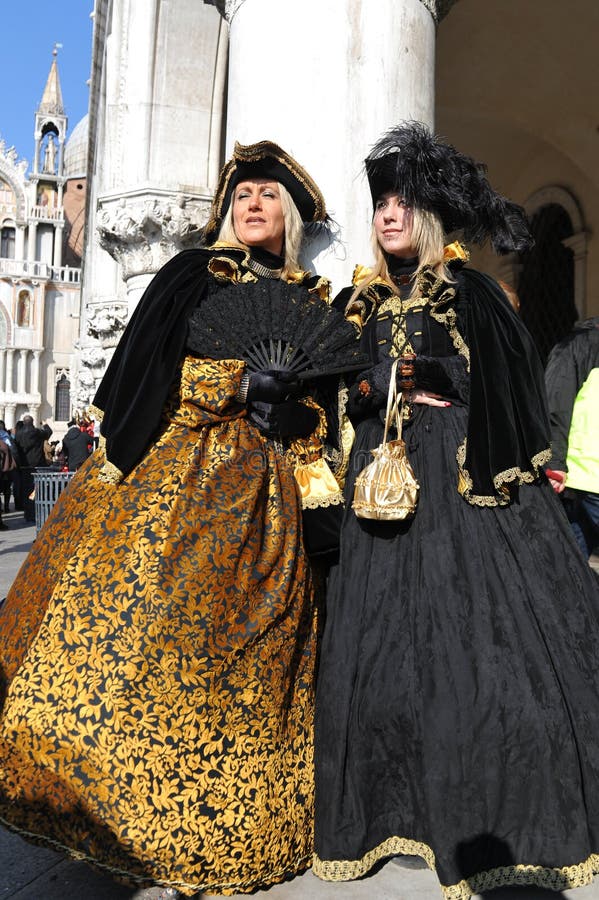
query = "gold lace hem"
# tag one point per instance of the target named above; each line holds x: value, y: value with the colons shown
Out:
x: 500, y: 481
x: 295, y: 867
x: 555, y: 879
x: 110, y: 474
x: 323, y: 502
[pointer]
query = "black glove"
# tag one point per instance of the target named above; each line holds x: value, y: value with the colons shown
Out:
x: 280, y: 420
x: 273, y: 386
x: 364, y: 400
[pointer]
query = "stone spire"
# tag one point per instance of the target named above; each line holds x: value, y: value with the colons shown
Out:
x: 51, y: 102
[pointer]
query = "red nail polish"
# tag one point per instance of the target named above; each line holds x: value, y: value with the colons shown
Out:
x: 447, y: 403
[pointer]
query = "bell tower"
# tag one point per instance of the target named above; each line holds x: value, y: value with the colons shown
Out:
x: 47, y: 221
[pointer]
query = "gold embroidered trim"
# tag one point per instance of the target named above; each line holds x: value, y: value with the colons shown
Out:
x: 224, y: 268
x: 96, y: 412
x: 350, y: 869
x: 555, y: 879
x: 322, y: 287
x: 439, y: 294
x: 539, y: 876
x: 398, y: 309
x: 320, y: 502
x: 339, y: 459
x: 110, y: 474
x: 298, y: 865
x: 500, y: 481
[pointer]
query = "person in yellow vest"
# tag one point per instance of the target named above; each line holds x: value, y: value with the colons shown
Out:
x: 572, y: 381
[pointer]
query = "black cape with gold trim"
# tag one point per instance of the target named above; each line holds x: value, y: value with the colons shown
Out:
x: 457, y: 712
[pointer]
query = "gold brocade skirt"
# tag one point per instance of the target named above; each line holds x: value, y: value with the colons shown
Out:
x: 156, y: 654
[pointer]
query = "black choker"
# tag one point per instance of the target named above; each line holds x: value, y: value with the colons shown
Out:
x: 263, y: 271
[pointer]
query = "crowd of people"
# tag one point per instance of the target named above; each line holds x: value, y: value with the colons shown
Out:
x: 192, y: 694
x: 28, y: 447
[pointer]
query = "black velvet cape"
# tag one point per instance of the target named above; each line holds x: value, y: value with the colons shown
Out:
x: 135, y: 387
x: 508, y: 425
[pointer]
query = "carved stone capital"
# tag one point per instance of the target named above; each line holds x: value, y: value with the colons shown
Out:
x: 143, y: 233
x: 227, y: 8
x: 438, y: 8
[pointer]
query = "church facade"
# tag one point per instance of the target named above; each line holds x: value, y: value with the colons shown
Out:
x: 42, y: 215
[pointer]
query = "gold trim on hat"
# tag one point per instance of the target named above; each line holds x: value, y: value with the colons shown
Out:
x: 254, y: 153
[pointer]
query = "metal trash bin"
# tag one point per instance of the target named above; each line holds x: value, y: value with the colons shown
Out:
x: 48, y: 485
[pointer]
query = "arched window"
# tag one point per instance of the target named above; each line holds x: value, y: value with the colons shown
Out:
x: 546, y: 284
x: 7, y: 243
x: 62, y: 403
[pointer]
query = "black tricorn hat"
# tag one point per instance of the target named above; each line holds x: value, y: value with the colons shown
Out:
x: 432, y: 175
x: 265, y: 160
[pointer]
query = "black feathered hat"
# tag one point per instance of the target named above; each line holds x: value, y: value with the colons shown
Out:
x: 265, y: 160
x: 431, y: 174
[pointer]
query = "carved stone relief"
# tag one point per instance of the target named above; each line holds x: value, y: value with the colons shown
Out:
x: 143, y: 235
x: 106, y: 323
x: 227, y: 8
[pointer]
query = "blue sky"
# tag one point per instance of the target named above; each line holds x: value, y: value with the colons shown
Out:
x: 28, y: 31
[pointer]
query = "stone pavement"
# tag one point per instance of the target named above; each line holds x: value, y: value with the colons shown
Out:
x: 31, y: 873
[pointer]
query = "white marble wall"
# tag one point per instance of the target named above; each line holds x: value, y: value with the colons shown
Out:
x: 325, y: 80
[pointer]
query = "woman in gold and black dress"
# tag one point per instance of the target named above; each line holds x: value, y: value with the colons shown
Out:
x: 157, y: 647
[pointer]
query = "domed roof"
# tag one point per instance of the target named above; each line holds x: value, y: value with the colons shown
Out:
x: 75, y: 151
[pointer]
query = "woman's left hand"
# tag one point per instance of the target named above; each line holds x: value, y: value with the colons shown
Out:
x: 417, y: 395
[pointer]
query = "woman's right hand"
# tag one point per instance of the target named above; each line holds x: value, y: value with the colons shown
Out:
x: 428, y: 398
x: 273, y: 386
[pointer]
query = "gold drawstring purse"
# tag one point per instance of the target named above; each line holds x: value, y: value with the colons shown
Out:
x: 387, y: 488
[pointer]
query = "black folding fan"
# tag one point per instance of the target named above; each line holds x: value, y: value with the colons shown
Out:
x: 274, y: 325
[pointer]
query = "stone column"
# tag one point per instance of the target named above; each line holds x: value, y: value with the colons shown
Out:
x: 2, y: 368
x: 57, y: 255
x: 22, y: 372
x: 10, y: 354
x: 10, y: 410
x: 332, y: 83
x: 34, y: 386
x: 31, y: 241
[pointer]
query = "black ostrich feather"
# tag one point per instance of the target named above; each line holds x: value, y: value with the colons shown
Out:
x: 274, y: 325
x: 432, y: 175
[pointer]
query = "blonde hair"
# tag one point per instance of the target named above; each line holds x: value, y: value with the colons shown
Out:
x: 292, y: 239
x: 428, y: 239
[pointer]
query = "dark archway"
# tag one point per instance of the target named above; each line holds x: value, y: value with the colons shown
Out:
x: 546, y: 284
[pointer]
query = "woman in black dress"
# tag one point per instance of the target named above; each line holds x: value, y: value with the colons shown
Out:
x: 457, y: 712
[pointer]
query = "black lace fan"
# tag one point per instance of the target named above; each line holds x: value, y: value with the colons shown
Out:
x: 274, y: 325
